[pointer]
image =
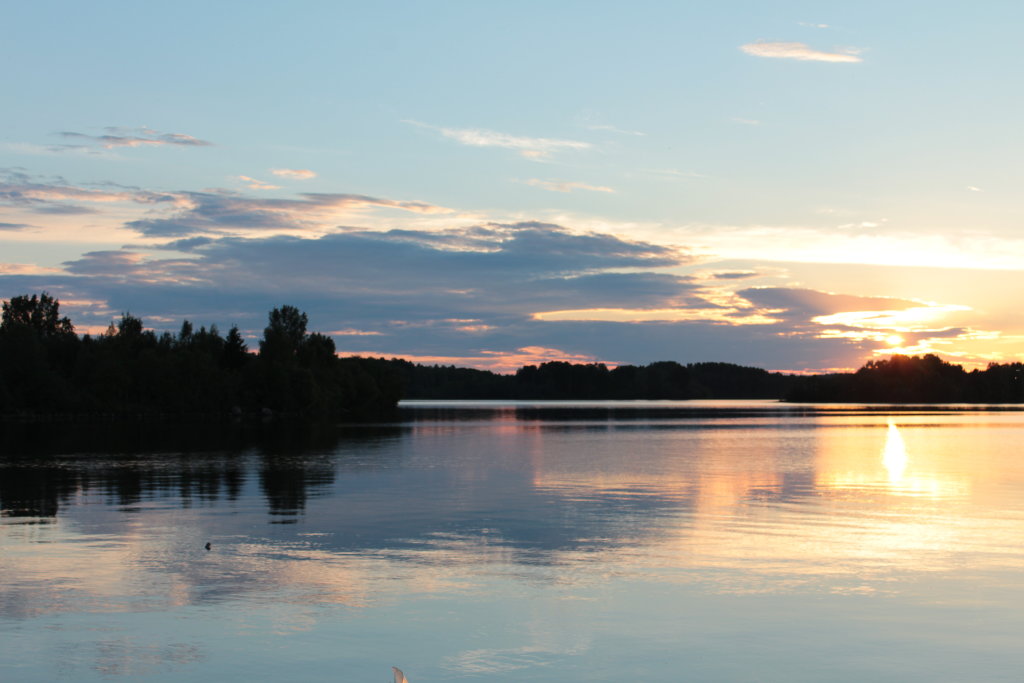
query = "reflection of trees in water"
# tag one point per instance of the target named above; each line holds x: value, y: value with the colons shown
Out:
x: 38, y: 487
x: 288, y: 480
x: 43, y: 467
x: 526, y: 511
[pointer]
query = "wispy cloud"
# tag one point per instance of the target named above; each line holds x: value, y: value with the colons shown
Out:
x: 218, y: 213
x: 136, y: 137
x: 189, y: 214
x: 294, y: 173
x: 49, y: 150
x: 25, y: 269
x: 746, y: 122
x: 799, y: 51
x: 257, y: 184
x: 531, y: 148
x: 566, y: 185
x: 52, y: 196
x: 353, y: 332
x: 648, y: 315
x: 809, y: 24
x: 972, y: 188
x: 14, y: 226
x: 735, y: 275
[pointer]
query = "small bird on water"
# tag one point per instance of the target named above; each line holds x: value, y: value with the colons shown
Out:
x: 207, y: 546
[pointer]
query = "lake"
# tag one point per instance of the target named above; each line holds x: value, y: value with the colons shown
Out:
x: 498, y: 541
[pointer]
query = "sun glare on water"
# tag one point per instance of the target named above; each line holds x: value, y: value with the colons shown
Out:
x: 894, y: 455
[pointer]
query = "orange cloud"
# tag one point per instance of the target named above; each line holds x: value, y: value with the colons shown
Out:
x: 566, y: 186
x: 798, y: 51
x: 257, y: 184
x: 295, y: 173
x: 531, y: 148
x: 730, y: 316
x: 25, y: 269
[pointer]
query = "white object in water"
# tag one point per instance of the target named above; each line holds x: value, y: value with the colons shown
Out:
x: 399, y: 676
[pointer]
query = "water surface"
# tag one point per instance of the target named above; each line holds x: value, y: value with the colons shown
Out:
x: 694, y: 541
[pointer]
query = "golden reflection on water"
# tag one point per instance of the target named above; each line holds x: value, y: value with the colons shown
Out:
x: 894, y: 455
x: 845, y: 503
x: 840, y: 503
x: 551, y: 523
x: 928, y: 468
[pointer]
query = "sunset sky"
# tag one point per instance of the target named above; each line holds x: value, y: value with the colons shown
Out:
x: 791, y: 185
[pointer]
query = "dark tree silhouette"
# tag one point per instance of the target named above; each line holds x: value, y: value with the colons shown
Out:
x: 284, y: 333
x: 235, y: 350
x: 45, y: 368
x: 41, y: 314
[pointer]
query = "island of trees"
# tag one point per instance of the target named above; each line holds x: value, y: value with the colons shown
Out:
x: 46, y: 368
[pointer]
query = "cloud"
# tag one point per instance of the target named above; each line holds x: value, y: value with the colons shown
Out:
x: 485, y: 295
x: 13, y: 226
x: 136, y: 137
x: 889, y: 247
x: 884, y: 325
x: 799, y: 51
x: 57, y: 197
x: 187, y: 244
x: 353, y: 332
x: 255, y: 184
x: 531, y: 148
x: 62, y: 209
x: 213, y: 213
x: 566, y: 185
x: 129, y: 267
x: 808, y: 24
x: 294, y: 173
x: 746, y: 122
x: 474, y: 281
x: 734, y: 275
x: 647, y: 315
x: 972, y: 188
x: 864, y: 224
x: 25, y: 269
x: 29, y: 148
x: 793, y: 302
x: 907, y: 319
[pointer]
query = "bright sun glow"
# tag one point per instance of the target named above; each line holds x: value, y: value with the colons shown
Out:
x: 907, y: 320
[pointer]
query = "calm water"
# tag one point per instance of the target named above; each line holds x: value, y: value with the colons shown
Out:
x: 504, y: 542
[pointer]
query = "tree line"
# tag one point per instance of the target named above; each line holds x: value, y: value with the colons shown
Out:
x: 899, y: 379
x: 593, y: 381
x: 914, y: 379
x: 46, y: 368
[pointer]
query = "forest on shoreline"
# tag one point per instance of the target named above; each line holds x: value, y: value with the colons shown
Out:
x: 898, y: 379
x: 47, y: 369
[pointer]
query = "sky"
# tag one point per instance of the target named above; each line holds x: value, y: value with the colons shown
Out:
x: 798, y: 186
